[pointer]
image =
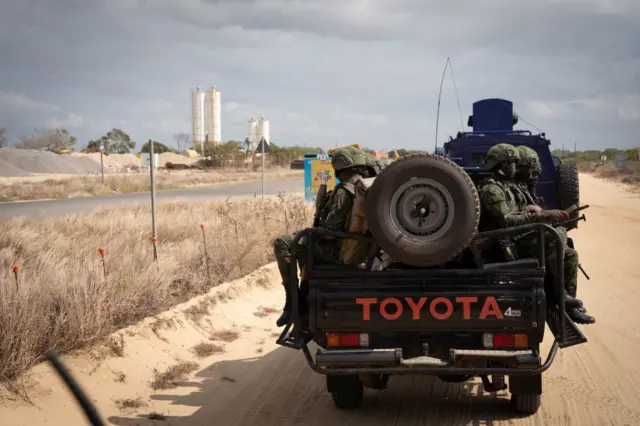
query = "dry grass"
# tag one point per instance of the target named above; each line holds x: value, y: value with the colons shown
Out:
x: 128, y: 404
x: 172, y: 376
x: 227, y: 336
x: 629, y: 175
x: 79, y: 186
x: 63, y: 300
x: 205, y: 349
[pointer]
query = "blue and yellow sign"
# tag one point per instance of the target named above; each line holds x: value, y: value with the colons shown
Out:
x: 317, y: 170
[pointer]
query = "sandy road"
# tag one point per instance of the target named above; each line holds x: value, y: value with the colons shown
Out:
x: 597, y: 383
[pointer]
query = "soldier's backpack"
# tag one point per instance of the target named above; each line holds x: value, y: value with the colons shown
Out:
x: 354, y: 251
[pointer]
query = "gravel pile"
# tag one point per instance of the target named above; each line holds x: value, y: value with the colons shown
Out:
x: 25, y: 162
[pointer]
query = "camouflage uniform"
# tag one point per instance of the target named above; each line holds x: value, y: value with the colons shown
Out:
x: 503, y: 206
x: 349, y: 167
x: 527, y: 172
x: 529, y: 169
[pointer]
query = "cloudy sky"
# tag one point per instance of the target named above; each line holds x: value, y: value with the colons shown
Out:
x: 324, y: 72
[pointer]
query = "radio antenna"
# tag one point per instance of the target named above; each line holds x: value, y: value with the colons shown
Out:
x: 455, y: 86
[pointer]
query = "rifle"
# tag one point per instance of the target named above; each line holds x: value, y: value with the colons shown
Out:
x: 322, y: 192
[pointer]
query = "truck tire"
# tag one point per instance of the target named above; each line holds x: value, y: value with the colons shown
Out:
x: 526, y: 404
x: 568, y: 184
x: 349, y: 397
x: 423, y: 210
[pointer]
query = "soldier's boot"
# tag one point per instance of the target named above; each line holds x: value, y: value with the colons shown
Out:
x: 580, y: 317
x: 287, y: 311
x: 571, y: 302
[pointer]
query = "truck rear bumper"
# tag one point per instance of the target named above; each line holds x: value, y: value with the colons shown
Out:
x: 391, y: 361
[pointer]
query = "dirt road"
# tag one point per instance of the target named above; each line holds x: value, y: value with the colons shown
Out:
x: 255, y: 383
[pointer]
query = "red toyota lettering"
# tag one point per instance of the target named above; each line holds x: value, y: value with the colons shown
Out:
x: 366, y: 303
x: 440, y: 308
x: 415, y: 307
x: 448, y: 308
x: 383, y: 308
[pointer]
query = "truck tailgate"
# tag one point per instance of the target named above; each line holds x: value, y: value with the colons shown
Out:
x: 380, y: 302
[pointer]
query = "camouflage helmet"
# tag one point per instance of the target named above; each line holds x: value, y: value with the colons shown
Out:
x: 372, y: 165
x: 529, y: 157
x: 500, y: 153
x: 344, y: 159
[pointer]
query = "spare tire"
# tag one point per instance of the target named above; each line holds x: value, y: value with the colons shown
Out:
x: 423, y: 210
x: 568, y: 184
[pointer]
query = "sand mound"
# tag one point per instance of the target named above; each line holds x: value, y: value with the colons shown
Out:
x: 95, y: 156
x: 125, y: 160
x: 170, y: 157
x: 233, y: 321
x: 24, y: 162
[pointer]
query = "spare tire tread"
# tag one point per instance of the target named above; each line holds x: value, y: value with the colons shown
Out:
x: 467, y: 183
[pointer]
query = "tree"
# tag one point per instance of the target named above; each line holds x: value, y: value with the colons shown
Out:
x: 3, y: 137
x: 49, y: 140
x: 118, y: 142
x: 93, y: 146
x: 158, y: 148
x: 182, y: 140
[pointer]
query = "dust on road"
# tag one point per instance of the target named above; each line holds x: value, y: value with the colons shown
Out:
x: 592, y: 384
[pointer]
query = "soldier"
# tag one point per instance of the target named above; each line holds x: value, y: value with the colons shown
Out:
x: 373, y: 165
x: 502, y: 207
x: 528, y: 171
x: 349, y: 168
x: 527, y: 174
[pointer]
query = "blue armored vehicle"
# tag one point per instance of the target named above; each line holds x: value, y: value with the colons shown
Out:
x: 492, y: 123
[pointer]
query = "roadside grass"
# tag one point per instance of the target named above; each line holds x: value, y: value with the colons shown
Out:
x: 62, y: 297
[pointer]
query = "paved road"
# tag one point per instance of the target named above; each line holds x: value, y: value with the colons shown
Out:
x: 35, y: 209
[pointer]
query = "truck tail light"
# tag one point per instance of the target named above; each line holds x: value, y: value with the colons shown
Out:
x: 353, y: 340
x: 503, y: 340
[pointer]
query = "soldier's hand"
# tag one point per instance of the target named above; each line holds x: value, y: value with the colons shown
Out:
x: 556, y: 215
x: 532, y: 208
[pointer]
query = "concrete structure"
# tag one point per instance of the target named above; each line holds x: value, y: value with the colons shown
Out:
x: 252, y: 134
x: 263, y: 130
x: 197, y: 114
x: 212, y: 123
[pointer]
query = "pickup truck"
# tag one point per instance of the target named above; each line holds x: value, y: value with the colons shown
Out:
x: 481, y: 312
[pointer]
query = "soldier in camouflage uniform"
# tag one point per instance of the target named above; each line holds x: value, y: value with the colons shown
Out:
x: 348, y: 168
x: 373, y: 165
x: 528, y: 171
x: 502, y: 207
x: 527, y: 174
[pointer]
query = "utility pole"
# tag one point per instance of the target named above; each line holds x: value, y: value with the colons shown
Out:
x: 153, y: 201
x: 263, y: 142
x: 102, y: 146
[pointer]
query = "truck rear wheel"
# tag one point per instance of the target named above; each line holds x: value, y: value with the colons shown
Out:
x: 423, y: 210
x: 526, y: 404
x: 348, y: 394
x: 568, y: 184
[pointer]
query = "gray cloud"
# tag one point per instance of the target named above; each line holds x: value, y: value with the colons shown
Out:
x: 324, y: 72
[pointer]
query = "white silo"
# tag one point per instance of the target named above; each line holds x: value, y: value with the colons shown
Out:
x: 263, y: 130
x: 197, y: 115
x: 252, y: 133
x: 212, y: 116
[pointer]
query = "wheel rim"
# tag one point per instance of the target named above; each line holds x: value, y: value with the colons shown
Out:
x: 422, y: 210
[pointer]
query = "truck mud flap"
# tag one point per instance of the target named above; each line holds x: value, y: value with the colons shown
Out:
x: 294, y: 337
x: 572, y: 334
